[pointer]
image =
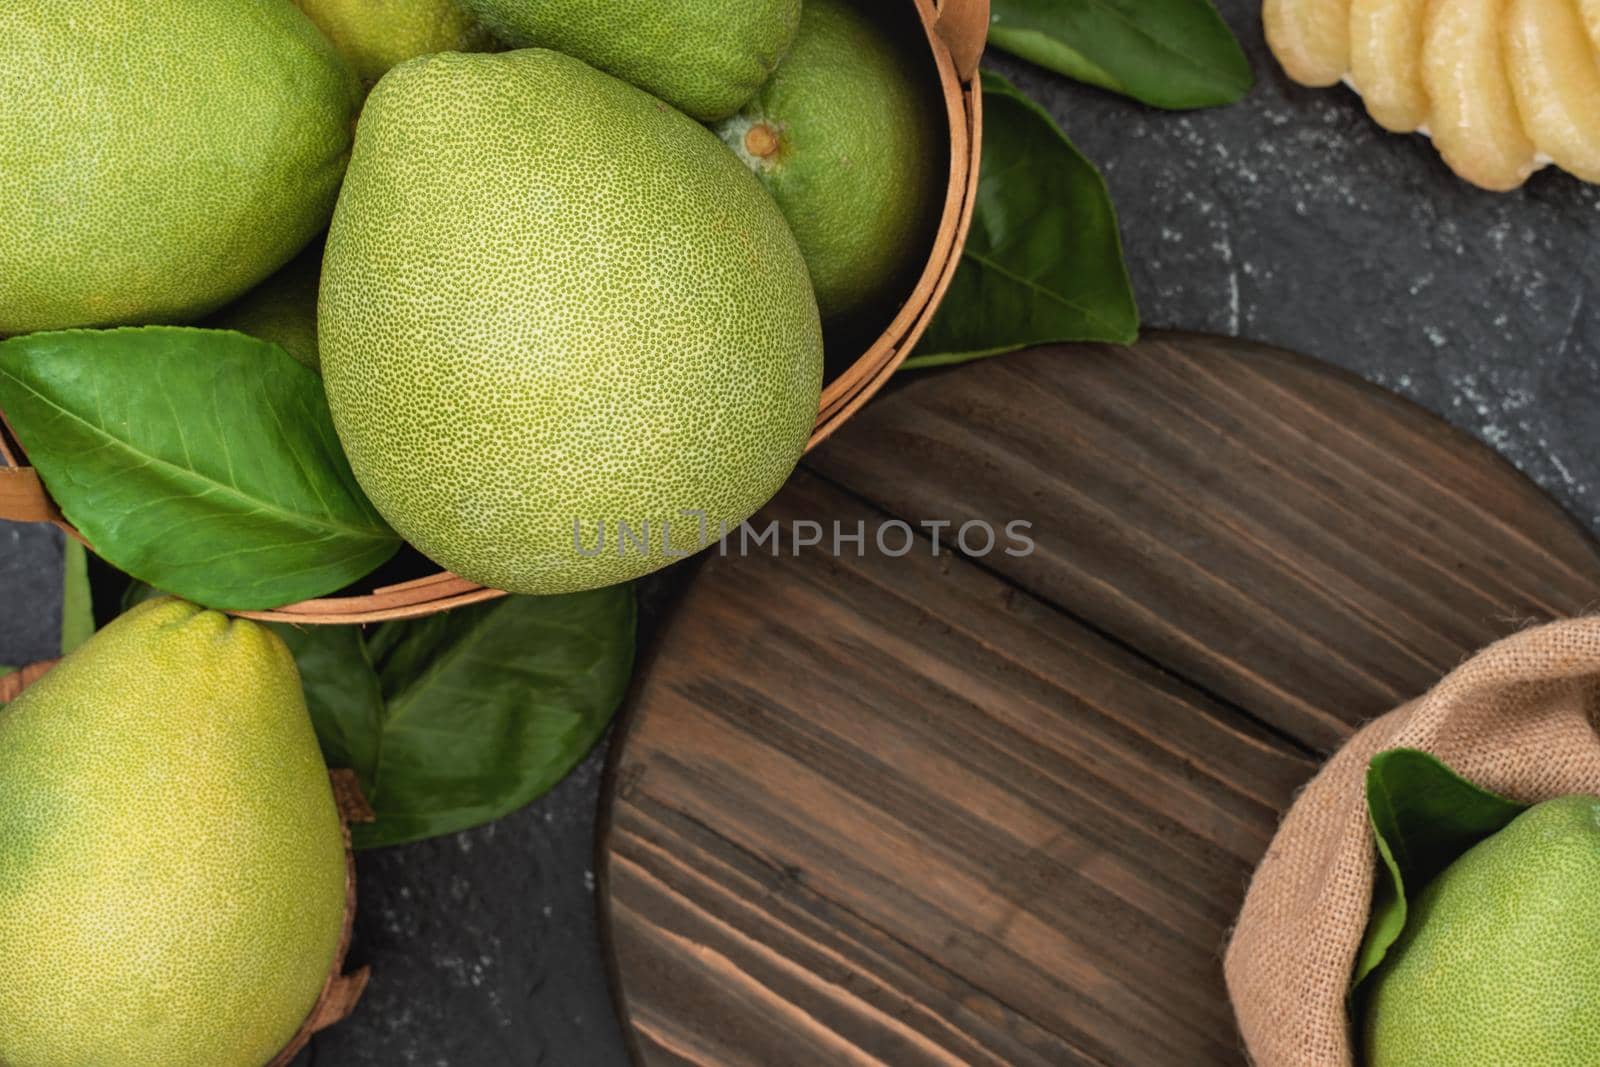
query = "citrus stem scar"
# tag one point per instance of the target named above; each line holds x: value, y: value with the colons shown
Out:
x: 761, y: 141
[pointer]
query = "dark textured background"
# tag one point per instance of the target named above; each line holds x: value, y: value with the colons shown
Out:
x: 1288, y: 218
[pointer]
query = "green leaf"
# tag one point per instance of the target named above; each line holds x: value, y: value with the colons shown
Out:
x: 341, y: 690
x: 1424, y: 816
x: 470, y: 714
x: 1166, y: 53
x: 338, y: 679
x: 1043, y: 262
x: 77, y: 600
x: 457, y: 719
x: 137, y: 593
x: 201, y: 461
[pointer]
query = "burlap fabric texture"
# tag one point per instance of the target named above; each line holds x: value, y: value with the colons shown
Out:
x: 1518, y: 718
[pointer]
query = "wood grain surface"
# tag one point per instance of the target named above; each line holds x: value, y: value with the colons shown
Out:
x: 999, y: 809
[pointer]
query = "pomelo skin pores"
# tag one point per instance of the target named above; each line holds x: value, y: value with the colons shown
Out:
x: 704, y: 57
x: 848, y: 136
x: 172, y: 865
x: 1499, y: 962
x: 375, y: 35
x: 550, y: 303
x: 144, y: 181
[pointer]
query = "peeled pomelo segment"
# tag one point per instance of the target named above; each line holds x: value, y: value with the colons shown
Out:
x: 1556, y: 81
x: 1311, y: 38
x: 1590, y: 11
x: 1474, y: 119
x: 1386, y: 61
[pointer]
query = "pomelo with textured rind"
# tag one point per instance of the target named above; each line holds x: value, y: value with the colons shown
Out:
x: 282, y: 309
x: 552, y: 305
x: 375, y: 35
x: 172, y: 869
x: 158, y: 160
x: 1499, y: 962
x: 849, y: 137
x: 704, y: 57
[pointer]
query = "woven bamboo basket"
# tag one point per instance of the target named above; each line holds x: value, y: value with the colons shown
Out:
x: 956, y: 31
x: 342, y: 991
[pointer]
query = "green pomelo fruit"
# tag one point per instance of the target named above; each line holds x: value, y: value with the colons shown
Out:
x: 282, y: 309
x: 550, y: 300
x: 1499, y: 962
x: 172, y: 869
x: 375, y: 35
x: 157, y: 160
x: 705, y: 57
x: 849, y: 136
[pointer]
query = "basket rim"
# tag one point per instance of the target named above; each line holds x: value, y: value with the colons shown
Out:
x: 23, y: 497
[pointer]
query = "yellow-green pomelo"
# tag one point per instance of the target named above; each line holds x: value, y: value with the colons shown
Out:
x: 282, y: 309
x: 1499, y: 962
x: 159, y: 159
x: 849, y: 135
x: 551, y: 300
x: 171, y: 861
x: 704, y: 57
x: 374, y: 35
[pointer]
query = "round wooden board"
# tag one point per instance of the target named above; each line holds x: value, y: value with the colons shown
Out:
x: 1002, y: 810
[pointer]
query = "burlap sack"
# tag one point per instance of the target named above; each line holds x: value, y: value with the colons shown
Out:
x: 1518, y: 718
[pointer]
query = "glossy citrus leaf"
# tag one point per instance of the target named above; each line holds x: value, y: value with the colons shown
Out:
x: 201, y: 461
x: 1166, y: 53
x: 1423, y: 816
x: 1043, y: 261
